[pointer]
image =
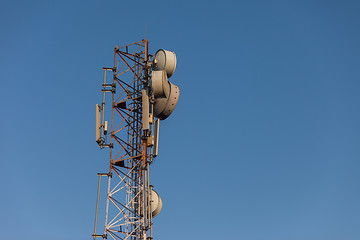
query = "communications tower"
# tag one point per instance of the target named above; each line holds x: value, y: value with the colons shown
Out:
x: 141, y: 95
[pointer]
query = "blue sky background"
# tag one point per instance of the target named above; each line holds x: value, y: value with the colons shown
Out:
x: 264, y: 142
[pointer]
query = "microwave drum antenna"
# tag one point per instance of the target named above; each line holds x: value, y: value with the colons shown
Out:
x: 159, y: 84
x: 165, y: 60
x: 156, y: 203
x: 163, y: 107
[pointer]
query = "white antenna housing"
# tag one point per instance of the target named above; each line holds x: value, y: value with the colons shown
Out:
x: 163, y: 107
x: 165, y: 60
x: 155, y: 203
x: 145, y: 110
x: 159, y: 84
x: 97, y: 125
x: 156, y: 138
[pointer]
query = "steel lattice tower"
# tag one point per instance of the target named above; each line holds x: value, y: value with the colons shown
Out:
x: 140, y: 92
x: 128, y: 213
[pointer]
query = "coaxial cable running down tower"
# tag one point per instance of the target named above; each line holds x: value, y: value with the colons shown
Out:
x: 141, y: 96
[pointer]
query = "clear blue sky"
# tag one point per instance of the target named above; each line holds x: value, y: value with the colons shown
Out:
x: 263, y: 145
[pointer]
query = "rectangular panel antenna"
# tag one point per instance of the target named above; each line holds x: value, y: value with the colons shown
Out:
x: 97, y: 127
x: 145, y: 110
x: 156, y: 138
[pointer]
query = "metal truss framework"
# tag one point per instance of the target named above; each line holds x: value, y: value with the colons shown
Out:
x: 128, y: 215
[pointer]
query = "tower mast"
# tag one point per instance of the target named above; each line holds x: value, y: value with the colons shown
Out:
x: 131, y: 202
x: 128, y: 213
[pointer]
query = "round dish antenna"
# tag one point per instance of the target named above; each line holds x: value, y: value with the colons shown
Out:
x: 165, y: 60
x: 155, y: 203
x: 163, y: 107
x: 159, y: 84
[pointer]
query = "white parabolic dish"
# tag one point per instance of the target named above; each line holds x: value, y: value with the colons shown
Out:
x: 163, y: 107
x: 155, y: 203
x: 165, y: 60
x: 159, y: 84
